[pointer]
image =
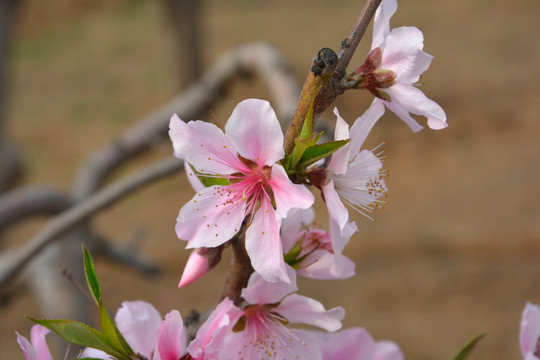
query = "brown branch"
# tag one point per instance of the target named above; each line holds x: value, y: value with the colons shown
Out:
x: 65, y: 221
x: 239, y: 272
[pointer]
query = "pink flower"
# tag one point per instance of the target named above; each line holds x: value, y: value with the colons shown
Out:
x: 246, y: 155
x: 37, y: 349
x: 394, y: 66
x: 147, y: 334
x: 259, y: 330
x: 357, y: 344
x: 353, y: 177
x: 530, y: 332
x: 310, y: 249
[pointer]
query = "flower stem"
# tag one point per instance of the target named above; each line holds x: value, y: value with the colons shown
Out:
x: 239, y: 272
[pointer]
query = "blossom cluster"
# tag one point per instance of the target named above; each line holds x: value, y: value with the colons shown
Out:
x: 249, y: 189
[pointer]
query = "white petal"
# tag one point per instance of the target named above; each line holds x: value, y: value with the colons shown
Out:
x: 338, y: 161
x: 336, y: 210
x: 363, y: 125
x: 388, y: 350
x: 292, y: 224
x: 410, y: 99
x: 381, y: 23
x: 403, y: 54
x: 255, y: 130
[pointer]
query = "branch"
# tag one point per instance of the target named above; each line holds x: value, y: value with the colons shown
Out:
x: 60, y: 224
x: 258, y: 59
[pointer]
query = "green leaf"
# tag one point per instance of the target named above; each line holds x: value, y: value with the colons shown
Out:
x: 300, y: 148
x: 320, y: 151
x: 464, y: 352
x: 291, y: 255
x: 307, y: 127
x: 208, y: 181
x: 111, y: 333
x: 81, y: 334
x: 91, y: 277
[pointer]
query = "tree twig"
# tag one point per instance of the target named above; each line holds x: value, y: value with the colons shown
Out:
x: 65, y: 221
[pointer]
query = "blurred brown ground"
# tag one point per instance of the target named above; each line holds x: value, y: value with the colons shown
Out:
x: 455, y: 253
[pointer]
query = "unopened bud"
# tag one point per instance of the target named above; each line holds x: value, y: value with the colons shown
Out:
x: 200, y: 262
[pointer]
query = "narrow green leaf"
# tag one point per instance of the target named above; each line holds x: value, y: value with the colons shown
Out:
x: 111, y: 333
x: 464, y: 352
x: 208, y: 181
x: 91, y: 277
x: 80, y: 334
x: 307, y: 127
x: 320, y: 151
x: 300, y: 148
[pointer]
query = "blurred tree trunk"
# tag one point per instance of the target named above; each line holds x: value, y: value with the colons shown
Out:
x: 10, y: 161
x: 184, y: 19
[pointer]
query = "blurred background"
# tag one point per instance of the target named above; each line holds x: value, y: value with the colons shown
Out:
x: 455, y: 253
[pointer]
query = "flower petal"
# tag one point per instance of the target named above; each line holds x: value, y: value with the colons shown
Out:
x: 26, y: 347
x: 94, y: 354
x: 327, y: 267
x: 196, y: 267
x: 37, y: 336
x: 139, y: 321
x: 530, y: 328
x: 255, y: 130
x: 339, y: 160
x: 336, y: 210
x: 381, y: 23
x: 260, y: 291
x: 212, y: 334
x: 204, y: 146
x: 193, y: 179
x: 303, y: 310
x: 211, y: 217
x: 388, y: 350
x: 403, y: 54
x: 171, y: 339
x: 355, y: 343
x: 287, y: 194
x: 292, y: 224
x: 363, y: 125
x: 263, y: 244
x: 407, y: 98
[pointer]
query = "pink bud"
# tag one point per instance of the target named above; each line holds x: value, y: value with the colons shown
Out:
x: 199, y: 263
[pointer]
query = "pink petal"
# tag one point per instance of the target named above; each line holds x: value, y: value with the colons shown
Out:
x: 340, y: 159
x: 37, y: 336
x: 388, y: 350
x: 410, y: 99
x: 212, y: 334
x: 287, y: 194
x: 403, y: 54
x: 204, y: 146
x: 303, y: 310
x: 94, y: 354
x: 26, y: 347
x: 208, y: 220
x: 355, y: 343
x: 263, y: 244
x: 260, y: 291
x: 196, y: 267
x: 171, y: 338
x: 530, y: 328
x: 381, y: 23
x: 139, y: 321
x: 363, y: 125
x: 255, y: 130
x: 336, y: 210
